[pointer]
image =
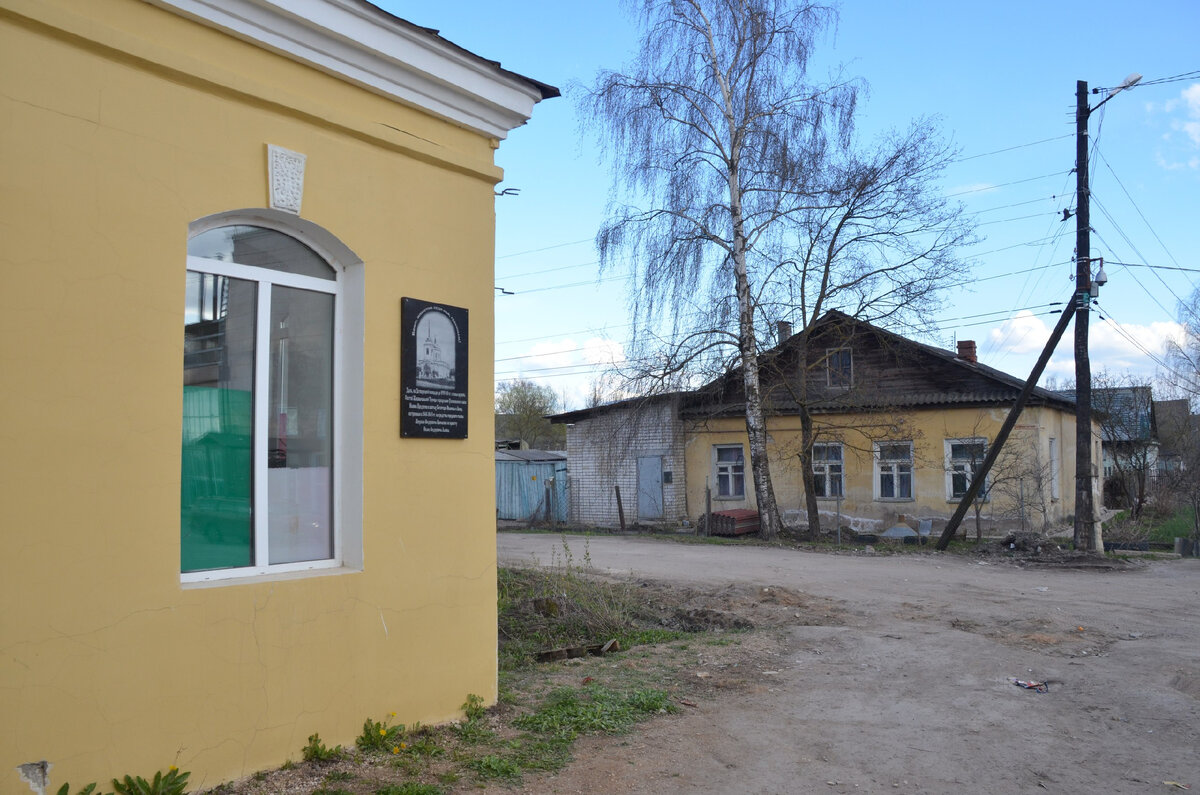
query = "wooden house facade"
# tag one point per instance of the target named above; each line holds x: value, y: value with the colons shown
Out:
x: 897, y: 429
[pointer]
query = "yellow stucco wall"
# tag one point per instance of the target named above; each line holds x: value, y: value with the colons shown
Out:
x: 121, y: 123
x: 928, y: 431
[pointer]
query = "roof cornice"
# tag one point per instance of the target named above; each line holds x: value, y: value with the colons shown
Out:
x: 364, y: 45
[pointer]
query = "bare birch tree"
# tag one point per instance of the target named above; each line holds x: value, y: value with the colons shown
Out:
x: 751, y: 203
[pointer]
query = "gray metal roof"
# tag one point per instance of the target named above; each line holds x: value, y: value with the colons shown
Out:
x: 530, y: 455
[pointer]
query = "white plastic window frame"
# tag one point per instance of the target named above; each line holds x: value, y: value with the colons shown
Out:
x: 719, y: 466
x: 956, y: 465
x: 893, y: 465
x: 348, y: 326
x: 822, y: 468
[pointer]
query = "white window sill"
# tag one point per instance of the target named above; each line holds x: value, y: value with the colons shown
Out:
x: 895, y: 499
x: 215, y: 580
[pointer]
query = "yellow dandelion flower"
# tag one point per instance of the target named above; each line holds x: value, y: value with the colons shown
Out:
x: 395, y: 749
x: 383, y: 732
x: 172, y: 769
x: 403, y: 745
x: 393, y: 714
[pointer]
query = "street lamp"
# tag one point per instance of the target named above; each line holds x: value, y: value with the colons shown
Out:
x: 1086, y: 536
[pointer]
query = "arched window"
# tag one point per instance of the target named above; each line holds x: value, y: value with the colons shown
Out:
x: 263, y: 416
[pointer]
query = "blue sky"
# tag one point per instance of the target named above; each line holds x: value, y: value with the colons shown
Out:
x: 999, y: 76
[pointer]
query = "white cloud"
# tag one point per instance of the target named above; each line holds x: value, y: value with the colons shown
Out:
x: 557, y: 353
x: 1129, y: 348
x: 566, y: 365
x: 1185, y: 110
x: 1020, y: 334
x: 599, y: 350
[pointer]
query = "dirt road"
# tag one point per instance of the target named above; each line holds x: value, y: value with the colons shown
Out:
x: 911, y: 693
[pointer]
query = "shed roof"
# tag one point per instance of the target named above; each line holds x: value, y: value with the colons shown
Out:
x: 530, y: 455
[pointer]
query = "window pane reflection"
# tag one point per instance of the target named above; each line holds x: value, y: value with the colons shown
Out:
x: 262, y: 248
x: 300, y: 449
x: 218, y: 418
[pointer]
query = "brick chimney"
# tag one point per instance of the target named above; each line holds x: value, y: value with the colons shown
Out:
x: 785, y: 330
x: 966, y: 351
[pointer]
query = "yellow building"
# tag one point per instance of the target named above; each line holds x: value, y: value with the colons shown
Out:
x: 285, y: 181
x: 897, y: 430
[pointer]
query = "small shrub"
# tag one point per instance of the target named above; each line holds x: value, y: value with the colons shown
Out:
x: 379, y: 736
x: 473, y: 707
x: 316, y: 751
x: 173, y: 783
x: 65, y: 789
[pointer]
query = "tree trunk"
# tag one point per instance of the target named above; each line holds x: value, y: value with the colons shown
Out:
x: 756, y: 424
x: 806, y: 473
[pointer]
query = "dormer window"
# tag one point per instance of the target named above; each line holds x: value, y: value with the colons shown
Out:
x: 839, y: 368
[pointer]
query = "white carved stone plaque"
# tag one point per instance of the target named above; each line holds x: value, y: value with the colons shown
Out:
x: 285, y: 171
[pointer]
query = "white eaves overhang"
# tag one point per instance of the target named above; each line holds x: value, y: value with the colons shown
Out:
x: 365, y: 45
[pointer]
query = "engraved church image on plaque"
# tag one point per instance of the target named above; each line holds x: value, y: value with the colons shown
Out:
x: 433, y: 370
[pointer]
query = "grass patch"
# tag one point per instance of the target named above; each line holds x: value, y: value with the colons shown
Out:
x: 1178, y: 525
x: 569, y: 712
x: 409, y: 788
x: 562, y: 605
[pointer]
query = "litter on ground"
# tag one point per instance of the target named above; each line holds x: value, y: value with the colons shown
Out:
x: 1037, y: 687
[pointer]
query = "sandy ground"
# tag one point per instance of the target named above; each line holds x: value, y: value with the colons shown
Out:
x: 909, y: 690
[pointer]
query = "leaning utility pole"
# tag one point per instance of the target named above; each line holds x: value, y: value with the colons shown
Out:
x: 1084, y: 508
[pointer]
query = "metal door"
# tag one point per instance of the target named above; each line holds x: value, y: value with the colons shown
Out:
x: 650, y: 493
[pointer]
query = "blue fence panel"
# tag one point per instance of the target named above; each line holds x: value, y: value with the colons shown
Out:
x: 521, y: 489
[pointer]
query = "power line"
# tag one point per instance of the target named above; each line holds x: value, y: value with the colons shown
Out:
x: 1002, y: 185
x: 1161, y: 80
x: 544, y: 248
x: 1012, y: 148
x: 1128, y: 242
x: 992, y: 322
x: 588, y: 283
x: 1015, y: 204
x: 1151, y: 267
x: 1020, y: 218
x: 940, y: 324
x: 1138, y: 210
x: 1120, y: 330
x: 510, y: 276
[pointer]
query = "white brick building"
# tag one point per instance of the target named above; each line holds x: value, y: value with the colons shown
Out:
x: 635, y: 446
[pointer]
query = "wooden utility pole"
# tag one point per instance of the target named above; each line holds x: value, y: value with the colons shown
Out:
x: 1087, y: 535
x: 1084, y: 509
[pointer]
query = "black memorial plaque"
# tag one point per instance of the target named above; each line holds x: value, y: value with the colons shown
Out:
x: 433, y: 370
